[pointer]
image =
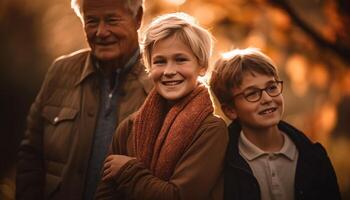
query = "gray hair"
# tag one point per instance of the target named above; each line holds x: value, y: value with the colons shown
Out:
x: 182, y: 26
x: 132, y: 5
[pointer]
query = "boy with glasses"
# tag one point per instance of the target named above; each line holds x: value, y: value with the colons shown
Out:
x: 267, y: 158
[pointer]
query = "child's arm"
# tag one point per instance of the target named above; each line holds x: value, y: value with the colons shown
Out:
x: 113, y: 164
x: 107, y: 188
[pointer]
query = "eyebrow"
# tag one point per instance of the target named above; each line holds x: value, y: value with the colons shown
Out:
x: 157, y: 57
x: 113, y: 15
x: 109, y: 14
x: 90, y: 17
x: 173, y: 55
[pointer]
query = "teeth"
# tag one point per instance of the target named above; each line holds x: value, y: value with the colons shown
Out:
x: 268, y: 111
x: 170, y: 83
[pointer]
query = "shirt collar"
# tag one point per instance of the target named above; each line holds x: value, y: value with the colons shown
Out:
x: 91, y: 67
x: 288, y: 149
x: 134, y: 58
x: 250, y: 151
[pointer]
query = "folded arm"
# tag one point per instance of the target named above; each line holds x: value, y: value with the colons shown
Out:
x: 194, y: 177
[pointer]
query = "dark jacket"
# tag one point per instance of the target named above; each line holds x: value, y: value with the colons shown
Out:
x: 55, y: 151
x: 315, y: 178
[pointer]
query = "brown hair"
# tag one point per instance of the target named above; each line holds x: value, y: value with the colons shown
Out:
x: 230, y: 68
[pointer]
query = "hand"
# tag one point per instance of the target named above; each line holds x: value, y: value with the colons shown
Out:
x: 112, y: 165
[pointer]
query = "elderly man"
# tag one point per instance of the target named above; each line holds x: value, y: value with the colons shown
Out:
x: 83, y: 98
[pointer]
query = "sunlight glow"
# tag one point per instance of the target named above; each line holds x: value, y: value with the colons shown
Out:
x: 296, y: 69
x: 176, y: 2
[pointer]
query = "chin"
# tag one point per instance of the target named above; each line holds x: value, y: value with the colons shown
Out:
x: 262, y: 124
x: 270, y: 124
x: 106, y: 57
x: 171, y: 97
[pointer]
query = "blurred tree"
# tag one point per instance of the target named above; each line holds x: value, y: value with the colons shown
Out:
x: 21, y: 58
x: 334, y: 33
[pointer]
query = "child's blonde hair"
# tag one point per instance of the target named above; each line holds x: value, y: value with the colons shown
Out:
x: 185, y: 28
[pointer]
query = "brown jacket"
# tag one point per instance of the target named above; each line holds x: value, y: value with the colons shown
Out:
x: 197, y: 176
x: 54, y: 153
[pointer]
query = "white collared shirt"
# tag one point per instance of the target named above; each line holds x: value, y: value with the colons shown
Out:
x: 274, y: 171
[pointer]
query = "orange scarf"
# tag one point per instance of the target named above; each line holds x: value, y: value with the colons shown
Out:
x: 160, y: 138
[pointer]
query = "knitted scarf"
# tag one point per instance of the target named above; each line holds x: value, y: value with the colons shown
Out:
x: 160, y: 138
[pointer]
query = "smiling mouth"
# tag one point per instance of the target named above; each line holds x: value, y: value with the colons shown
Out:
x: 171, y: 83
x: 267, y: 111
x: 105, y: 42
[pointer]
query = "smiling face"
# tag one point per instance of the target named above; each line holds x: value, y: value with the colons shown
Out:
x: 263, y: 114
x: 111, y: 29
x: 174, y: 68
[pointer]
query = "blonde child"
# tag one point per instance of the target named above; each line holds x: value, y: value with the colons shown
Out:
x: 173, y: 147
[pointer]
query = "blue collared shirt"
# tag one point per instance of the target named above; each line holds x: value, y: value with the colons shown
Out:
x: 105, y: 127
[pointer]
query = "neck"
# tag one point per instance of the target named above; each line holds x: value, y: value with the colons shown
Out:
x: 108, y: 70
x: 109, y: 67
x: 269, y: 139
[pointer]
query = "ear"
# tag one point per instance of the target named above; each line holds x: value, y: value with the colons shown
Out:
x: 139, y: 16
x: 202, y: 71
x: 149, y: 73
x: 229, y: 111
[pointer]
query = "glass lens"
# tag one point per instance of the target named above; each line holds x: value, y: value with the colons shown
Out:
x: 252, y: 95
x: 274, y: 89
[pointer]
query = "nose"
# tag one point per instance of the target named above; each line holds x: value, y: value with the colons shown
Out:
x: 169, y: 70
x: 102, y: 30
x: 265, y: 98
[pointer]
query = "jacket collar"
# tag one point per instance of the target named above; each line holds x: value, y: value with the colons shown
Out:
x: 233, y: 157
x: 91, y: 66
x: 303, y: 143
x: 88, y: 69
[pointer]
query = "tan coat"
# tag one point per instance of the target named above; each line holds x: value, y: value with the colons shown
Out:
x: 197, y: 176
x: 54, y: 154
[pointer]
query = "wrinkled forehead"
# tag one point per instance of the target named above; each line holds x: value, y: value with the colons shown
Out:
x: 92, y: 5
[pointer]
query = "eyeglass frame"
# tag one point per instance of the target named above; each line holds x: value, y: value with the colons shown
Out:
x: 260, y: 92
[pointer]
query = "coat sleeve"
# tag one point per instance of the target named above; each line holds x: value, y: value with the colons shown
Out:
x: 331, y: 187
x: 30, y: 176
x: 195, y: 175
x: 107, y: 190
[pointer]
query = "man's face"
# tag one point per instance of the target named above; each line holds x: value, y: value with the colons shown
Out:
x: 111, y: 29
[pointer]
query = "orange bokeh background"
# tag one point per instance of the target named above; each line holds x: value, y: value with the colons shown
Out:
x: 308, y: 40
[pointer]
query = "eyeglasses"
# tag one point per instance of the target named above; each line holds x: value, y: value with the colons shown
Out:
x: 254, y: 94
